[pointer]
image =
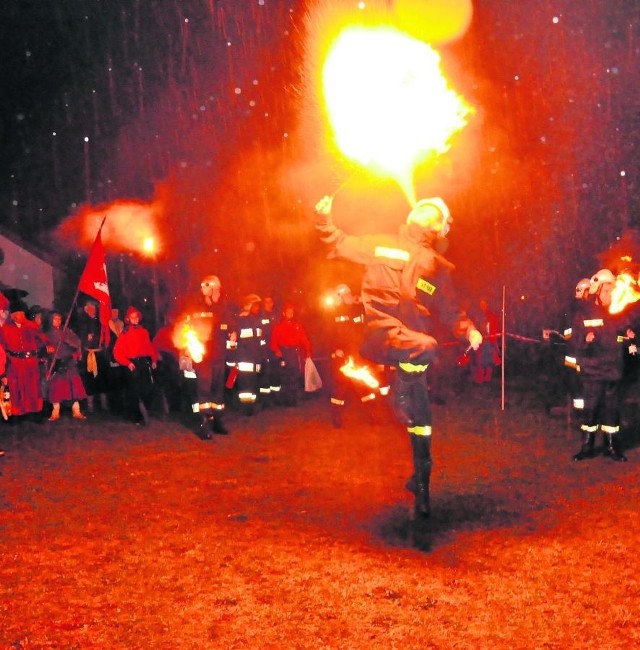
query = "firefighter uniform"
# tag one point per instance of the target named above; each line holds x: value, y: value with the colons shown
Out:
x: 405, y: 283
x: 346, y: 333
x: 269, y: 373
x: 214, y: 325
x: 250, y: 354
x: 600, y: 339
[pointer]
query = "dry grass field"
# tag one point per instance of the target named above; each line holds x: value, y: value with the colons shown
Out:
x: 289, y: 533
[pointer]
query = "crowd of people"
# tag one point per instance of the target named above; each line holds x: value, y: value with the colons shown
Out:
x: 249, y: 358
x: 601, y: 358
x: 213, y: 356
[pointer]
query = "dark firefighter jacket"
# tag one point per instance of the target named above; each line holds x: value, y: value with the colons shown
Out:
x: 602, y: 358
x: 405, y: 283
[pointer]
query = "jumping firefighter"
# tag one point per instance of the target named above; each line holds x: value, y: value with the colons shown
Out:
x: 405, y: 281
x: 346, y: 334
x: 215, y: 329
x: 599, y: 339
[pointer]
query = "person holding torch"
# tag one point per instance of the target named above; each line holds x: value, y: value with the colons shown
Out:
x: 406, y: 282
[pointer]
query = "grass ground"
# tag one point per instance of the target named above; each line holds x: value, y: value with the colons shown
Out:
x: 290, y: 533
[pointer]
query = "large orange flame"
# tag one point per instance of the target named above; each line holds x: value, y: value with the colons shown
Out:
x: 186, y: 338
x: 389, y: 104
x: 624, y: 293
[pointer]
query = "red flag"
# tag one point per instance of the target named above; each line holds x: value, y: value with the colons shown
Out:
x: 94, y: 283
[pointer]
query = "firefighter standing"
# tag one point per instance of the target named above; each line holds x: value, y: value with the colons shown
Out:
x: 250, y: 353
x: 405, y: 281
x: 599, y: 341
x: 215, y: 325
x: 269, y: 375
x: 347, y: 331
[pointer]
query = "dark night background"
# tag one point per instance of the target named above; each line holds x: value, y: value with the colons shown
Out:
x: 544, y: 178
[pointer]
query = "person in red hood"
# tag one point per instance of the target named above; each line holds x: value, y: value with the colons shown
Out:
x: 290, y: 343
x: 135, y: 351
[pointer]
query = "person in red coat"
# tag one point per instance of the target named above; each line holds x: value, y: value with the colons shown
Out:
x: 290, y: 343
x: 24, y: 343
x: 135, y: 351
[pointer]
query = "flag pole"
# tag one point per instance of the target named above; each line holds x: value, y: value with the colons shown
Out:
x: 502, y: 365
x: 66, y: 322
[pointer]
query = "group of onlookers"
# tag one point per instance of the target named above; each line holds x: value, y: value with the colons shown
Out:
x: 51, y: 365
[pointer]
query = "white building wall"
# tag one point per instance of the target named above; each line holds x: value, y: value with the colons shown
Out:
x: 23, y: 270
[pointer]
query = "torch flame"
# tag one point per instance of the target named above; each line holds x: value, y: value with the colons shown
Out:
x: 625, y: 292
x: 188, y: 340
x: 388, y: 102
x: 359, y: 373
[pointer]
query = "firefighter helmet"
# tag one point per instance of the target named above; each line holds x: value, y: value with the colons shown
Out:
x: 249, y: 300
x: 603, y: 276
x: 431, y: 214
x: 210, y: 281
x: 342, y: 290
x: 582, y: 288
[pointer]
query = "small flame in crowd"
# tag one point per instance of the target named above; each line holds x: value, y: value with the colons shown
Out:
x: 624, y: 293
x: 359, y: 373
x: 188, y: 340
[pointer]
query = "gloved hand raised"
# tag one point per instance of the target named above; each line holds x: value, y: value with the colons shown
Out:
x: 323, y: 212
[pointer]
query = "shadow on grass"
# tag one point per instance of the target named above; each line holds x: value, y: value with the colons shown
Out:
x: 399, y: 527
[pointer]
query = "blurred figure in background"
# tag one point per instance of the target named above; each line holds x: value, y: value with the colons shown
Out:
x: 64, y: 383
x: 25, y: 344
x: 94, y: 366
x: 291, y: 346
x: 135, y: 352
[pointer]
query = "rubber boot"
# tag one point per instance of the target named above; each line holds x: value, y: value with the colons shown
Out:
x: 55, y: 414
x: 75, y: 411
x: 144, y: 414
x: 336, y: 415
x: 611, y: 449
x: 202, y: 428
x: 421, y: 447
x: 218, y: 425
x: 586, y: 451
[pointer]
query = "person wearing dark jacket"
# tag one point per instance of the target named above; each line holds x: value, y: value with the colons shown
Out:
x: 406, y: 282
x: 211, y: 325
x: 599, y: 337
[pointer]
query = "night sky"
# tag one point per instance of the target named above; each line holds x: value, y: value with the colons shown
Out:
x: 200, y: 102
